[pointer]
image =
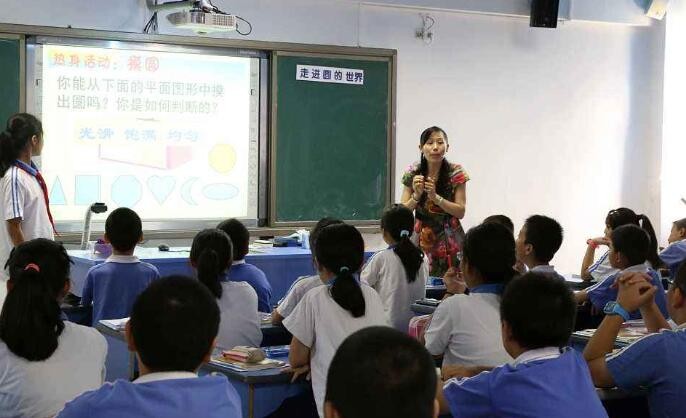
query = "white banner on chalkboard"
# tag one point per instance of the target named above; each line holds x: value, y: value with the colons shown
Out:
x: 329, y: 74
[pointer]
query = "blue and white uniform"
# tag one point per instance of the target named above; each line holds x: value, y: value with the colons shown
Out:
x: 602, y: 292
x: 240, y: 271
x: 167, y: 394
x: 602, y: 268
x: 547, y: 270
x: 674, y: 255
x: 114, y: 285
x: 655, y: 362
x: 546, y: 382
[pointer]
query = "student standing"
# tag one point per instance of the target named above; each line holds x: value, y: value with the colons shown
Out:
x: 45, y: 360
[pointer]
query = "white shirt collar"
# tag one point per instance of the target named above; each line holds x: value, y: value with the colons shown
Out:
x: 638, y: 268
x: 545, y: 353
x: 154, y: 377
x: 126, y: 259
x: 543, y: 269
x: 235, y: 263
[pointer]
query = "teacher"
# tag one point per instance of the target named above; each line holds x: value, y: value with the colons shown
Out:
x: 23, y: 193
x: 436, y: 190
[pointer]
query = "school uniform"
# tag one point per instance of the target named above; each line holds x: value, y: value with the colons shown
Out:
x: 240, y: 271
x: 547, y: 382
x: 466, y: 329
x: 164, y: 394
x: 655, y: 362
x: 385, y: 273
x: 23, y: 198
x: 547, y: 271
x: 673, y: 256
x: 321, y: 324
x: 113, y: 286
x: 239, y: 319
x: 41, y: 388
x: 602, y: 268
x: 602, y: 292
x: 296, y: 292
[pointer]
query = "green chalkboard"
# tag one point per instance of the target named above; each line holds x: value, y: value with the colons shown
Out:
x: 9, y: 79
x: 330, y: 150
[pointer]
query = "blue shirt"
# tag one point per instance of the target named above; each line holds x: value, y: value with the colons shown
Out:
x: 655, y: 362
x: 207, y: 397
x: 244, y: 272
x: 540, y: 383
x: 673, y: 256
x: 603, y: 292
x: 114, y: 285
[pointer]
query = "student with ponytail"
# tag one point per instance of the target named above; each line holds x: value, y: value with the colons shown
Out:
x: 328, y: 314
x: 23, y: 192
x: 211, y: 256
x: 45, y: 360
x: 465, y: 329
x: 615, y: 218
x: 398, y: 273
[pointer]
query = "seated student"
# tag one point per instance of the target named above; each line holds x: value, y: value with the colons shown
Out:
x: 655, y: 361
x: 240, y: 271
x: 113, y: 286
x: 675, y: 253
x: 465, y: 329
x: 303, y: 284
x: 398, y: 273
x: 546, y: 379
x: 327, y: 315
x: 629, y: 247
x: 601, y: 269
x: 172, y: 330
x: 45, y: 360
x: 502, y: 220
x: 239, y: 321
x: 379, y: 372
x: 537, y: 242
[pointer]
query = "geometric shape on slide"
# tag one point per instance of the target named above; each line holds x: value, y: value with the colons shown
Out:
x: 187, y: 191
x: 86, y: 189
x: 147, y: 155
x: 161, y: 187
x: 220, y: 191
x: 222, y: 158
x: 126, y: 191
x: 178, y: 155
x: 57, y: 196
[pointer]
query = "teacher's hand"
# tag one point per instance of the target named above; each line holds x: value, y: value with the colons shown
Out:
x: 418, y: 186
x: 430, y: 187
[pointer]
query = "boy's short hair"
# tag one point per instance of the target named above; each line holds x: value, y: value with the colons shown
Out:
x: 545, y: 235
x: 540, y: 312
x: 379, y: 372
x: 240, y: 237
x: 123, y: 229
x: 632, y: 242
x: 174, y: 323
x: 502, y: 220
x: 680, y: 224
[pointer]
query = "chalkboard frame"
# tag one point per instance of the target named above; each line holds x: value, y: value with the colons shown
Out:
x: 391, y: 60
x: 22, y: 68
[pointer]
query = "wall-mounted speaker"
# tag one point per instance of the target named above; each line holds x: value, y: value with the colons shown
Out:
x: 544, y: 13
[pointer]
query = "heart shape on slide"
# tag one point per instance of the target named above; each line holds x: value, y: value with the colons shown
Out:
x: 161, y: 187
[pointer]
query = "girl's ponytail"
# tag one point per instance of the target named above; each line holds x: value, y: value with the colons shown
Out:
x: 212, y: 254
x: 21, y: 127
x: 398, y: 222
x: 647, y: 226
x: 340, y: 249
x: 31, y: 318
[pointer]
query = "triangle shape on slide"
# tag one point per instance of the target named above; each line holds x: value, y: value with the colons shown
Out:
x: 57, y: 196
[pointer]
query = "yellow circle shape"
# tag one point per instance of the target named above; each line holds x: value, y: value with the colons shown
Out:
x: 222, y: 158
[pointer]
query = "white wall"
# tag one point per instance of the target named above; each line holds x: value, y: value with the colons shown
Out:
x: 564, y: 122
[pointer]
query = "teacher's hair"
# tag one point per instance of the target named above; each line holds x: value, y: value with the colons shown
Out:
x: 31, y: 319
x: 443, y: 182
x: 340, y: 249
x: 398, y: 222
x: 211, y: 254
x: 21, y: 127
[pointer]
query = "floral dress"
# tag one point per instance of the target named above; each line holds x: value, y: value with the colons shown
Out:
x: 437, y: 233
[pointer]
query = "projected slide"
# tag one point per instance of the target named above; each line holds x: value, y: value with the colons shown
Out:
x: 167, y: 134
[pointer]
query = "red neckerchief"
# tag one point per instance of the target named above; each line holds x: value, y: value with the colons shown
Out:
x: 33, y: 171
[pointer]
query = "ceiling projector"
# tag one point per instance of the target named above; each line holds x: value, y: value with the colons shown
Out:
x: 203, y: 22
